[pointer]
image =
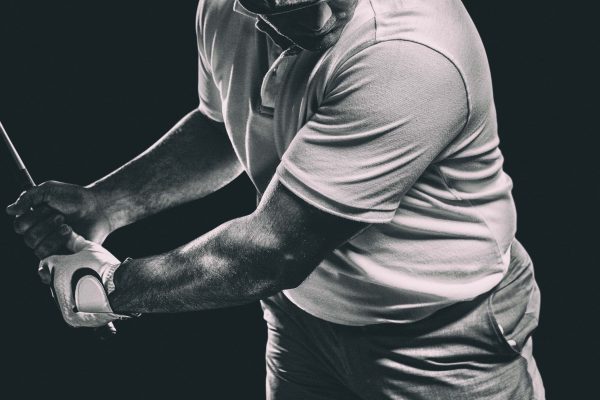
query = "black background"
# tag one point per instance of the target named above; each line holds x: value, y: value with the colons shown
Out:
x: 85, y: 86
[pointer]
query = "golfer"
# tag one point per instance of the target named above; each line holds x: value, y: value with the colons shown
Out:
x: 383, y: 245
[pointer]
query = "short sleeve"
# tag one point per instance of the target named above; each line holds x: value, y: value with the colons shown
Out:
x: 210, y: 98
x: 389, y: 110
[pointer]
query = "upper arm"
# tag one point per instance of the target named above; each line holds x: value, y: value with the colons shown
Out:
x: 301, y: 235
x: 388, y: 112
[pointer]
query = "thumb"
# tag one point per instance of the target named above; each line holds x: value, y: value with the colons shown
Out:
x: 63, y: 197
x: 77, y: 243
x: 26, y: 200
x: 48, y: 263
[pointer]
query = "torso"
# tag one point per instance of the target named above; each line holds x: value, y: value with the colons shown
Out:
x: 413, y: 265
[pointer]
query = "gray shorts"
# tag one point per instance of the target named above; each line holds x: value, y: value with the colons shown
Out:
x: 480, y: 349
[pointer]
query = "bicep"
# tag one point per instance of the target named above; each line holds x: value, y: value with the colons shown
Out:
x: 300, y: 233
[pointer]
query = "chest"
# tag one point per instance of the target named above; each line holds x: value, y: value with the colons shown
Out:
x: 267, y: 95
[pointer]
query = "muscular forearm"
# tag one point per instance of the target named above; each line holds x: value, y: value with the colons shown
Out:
x: 230, y: 265
x: 193, y: 159
x: 249, y: 258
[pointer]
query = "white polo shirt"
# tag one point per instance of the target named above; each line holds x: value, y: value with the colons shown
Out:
x: 394, y: 125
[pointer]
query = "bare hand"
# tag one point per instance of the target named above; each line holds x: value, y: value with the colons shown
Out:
x: 46, y: 215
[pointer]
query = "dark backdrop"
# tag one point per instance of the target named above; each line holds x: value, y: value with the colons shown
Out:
x: 85, y: 86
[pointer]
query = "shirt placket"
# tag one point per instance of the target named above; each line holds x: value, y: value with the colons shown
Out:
x: 260, y: 146
x: 272, y: 82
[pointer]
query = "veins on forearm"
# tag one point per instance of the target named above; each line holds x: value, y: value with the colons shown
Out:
x: 214, y: 271
x: 193, y: 159
x: 249, y: 258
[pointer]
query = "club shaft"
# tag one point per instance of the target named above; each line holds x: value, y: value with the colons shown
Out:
x: 26, y: 182
x: 22, y: 175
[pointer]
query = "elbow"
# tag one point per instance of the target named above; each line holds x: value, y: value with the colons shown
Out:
x: 291, y: 271
x: 288, y: 281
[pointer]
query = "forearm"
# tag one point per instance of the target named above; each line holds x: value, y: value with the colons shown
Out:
x: 228, y: 266
x: 194, y: 159
x: 249, y: 258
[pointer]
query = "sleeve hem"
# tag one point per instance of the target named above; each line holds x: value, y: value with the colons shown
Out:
x: 330, y: 206
x: 214, y: 115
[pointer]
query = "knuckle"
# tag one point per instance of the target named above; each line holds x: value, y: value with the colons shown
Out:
x: 18, y: 226
x: 48, y: 186
x: 30, y: 241
x: 28, y: 194
x: 49, y: 247
x: 45, y: 248
x: 56, y: 218
x: 35, y: 236
x: 39, y: 252
x: 41, y: 209
x: 58, y: 241
x: 63, y: 230
x: 25, y: 199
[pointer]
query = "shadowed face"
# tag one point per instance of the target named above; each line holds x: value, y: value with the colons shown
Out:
x: 316, y: 27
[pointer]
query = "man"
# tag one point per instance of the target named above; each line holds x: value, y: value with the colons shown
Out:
x: 383, y: 244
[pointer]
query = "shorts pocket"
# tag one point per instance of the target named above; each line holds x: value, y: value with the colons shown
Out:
x: 513, y: 307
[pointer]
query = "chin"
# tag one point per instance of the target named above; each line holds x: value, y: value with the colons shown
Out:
x: 317, y: 44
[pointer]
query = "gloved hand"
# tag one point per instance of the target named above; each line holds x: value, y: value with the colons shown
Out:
x: 84, y: 304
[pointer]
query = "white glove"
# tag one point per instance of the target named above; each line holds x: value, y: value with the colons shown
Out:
x: 90, y: 294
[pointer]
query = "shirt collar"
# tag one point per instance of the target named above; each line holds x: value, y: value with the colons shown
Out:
x: 239, y: 8
x: 262, y: 26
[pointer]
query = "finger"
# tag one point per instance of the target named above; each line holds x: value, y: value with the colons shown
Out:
x: 76, y: 243
x: 62, y: 292
x: 38, y: 232
x: 54, y: 242
x: 46, y: 264
x: 31, y: 217
x: 60, y: 196
x: 45, y: 270
x: 44, y: 274
x: 11, y: 208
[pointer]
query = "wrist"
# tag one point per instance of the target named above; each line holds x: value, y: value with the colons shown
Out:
x: 108, y: 280
x: 108, y: 276
x: 112, y: 204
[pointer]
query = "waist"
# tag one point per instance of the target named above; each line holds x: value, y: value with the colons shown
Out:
x: 340, y: 297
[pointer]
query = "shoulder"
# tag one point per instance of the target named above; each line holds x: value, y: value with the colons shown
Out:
x: 207, y: 7
x: 220, y: 28
x: 399, y: 68
x: 391, y: 45
x: 211, y: 14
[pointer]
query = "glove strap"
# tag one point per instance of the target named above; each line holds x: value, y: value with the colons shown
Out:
x: 109, y: 274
